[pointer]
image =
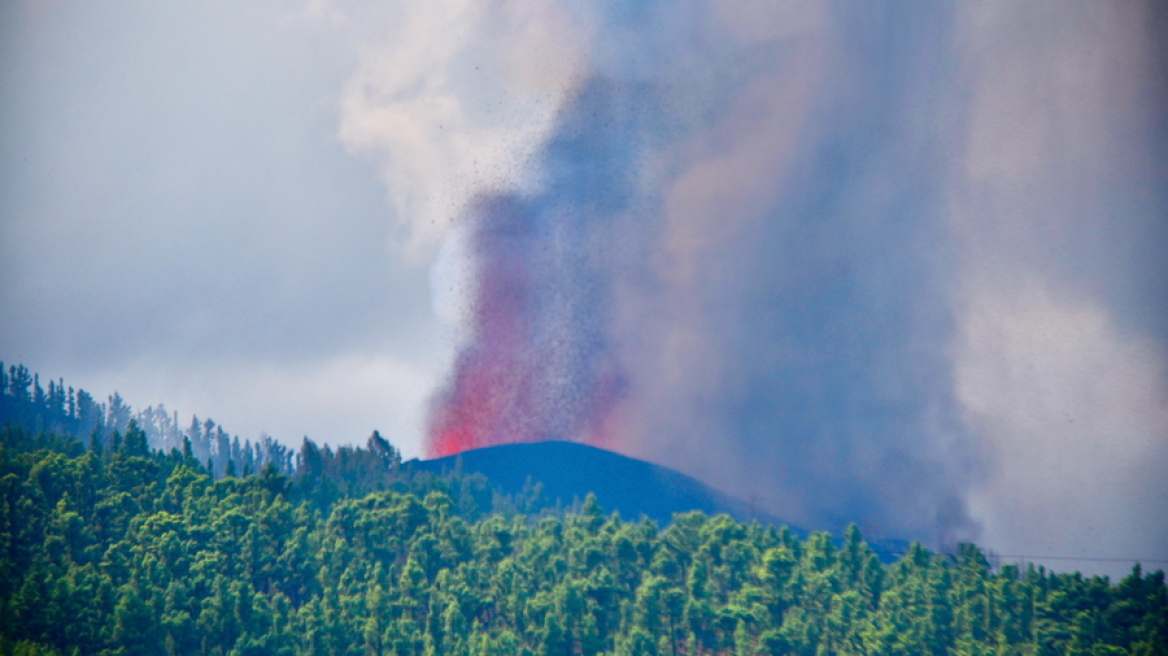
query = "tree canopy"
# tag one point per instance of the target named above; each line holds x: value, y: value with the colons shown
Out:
x: 124, y: 550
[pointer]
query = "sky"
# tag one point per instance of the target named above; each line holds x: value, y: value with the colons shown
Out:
x: 898, y: 265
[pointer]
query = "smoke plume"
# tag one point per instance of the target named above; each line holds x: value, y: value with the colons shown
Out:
x: 854, y: 262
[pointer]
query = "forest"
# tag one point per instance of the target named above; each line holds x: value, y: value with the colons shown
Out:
x: 64, y: 410
x: 110, y: 546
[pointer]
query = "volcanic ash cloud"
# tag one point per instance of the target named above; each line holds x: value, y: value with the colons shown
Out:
x: 787, y: 247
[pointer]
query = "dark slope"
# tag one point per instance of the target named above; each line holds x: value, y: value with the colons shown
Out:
x: 569, y: 471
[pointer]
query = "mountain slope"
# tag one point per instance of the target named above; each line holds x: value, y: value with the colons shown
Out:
x: 569, y: 471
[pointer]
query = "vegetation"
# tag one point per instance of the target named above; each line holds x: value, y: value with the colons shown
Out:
x: 143, y: 538
x: 118, y: 549
x: 64, y: 410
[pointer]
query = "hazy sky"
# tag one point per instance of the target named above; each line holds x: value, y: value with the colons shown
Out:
x: 183, y: 224
x: 898, y: 264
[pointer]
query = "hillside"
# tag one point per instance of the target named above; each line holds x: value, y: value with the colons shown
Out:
x: 568, y: 471
x: 124, y: 552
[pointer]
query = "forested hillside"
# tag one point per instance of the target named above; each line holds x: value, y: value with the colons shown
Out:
x: 63, y: 410
x: 122, y: 550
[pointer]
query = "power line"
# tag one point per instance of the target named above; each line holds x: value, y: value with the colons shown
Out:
x: 1032, y: 557
x: 1093, y: 559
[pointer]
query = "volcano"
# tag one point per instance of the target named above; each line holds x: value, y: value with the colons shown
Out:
x: 569, y: 471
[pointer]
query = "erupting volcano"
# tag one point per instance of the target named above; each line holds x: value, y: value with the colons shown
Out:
x: 541, y: 365
x: 861, y: 262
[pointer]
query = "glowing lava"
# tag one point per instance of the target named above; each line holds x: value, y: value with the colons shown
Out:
x: 541, y: 364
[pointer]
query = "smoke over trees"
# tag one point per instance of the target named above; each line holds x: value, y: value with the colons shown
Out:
x: 857, y: 262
